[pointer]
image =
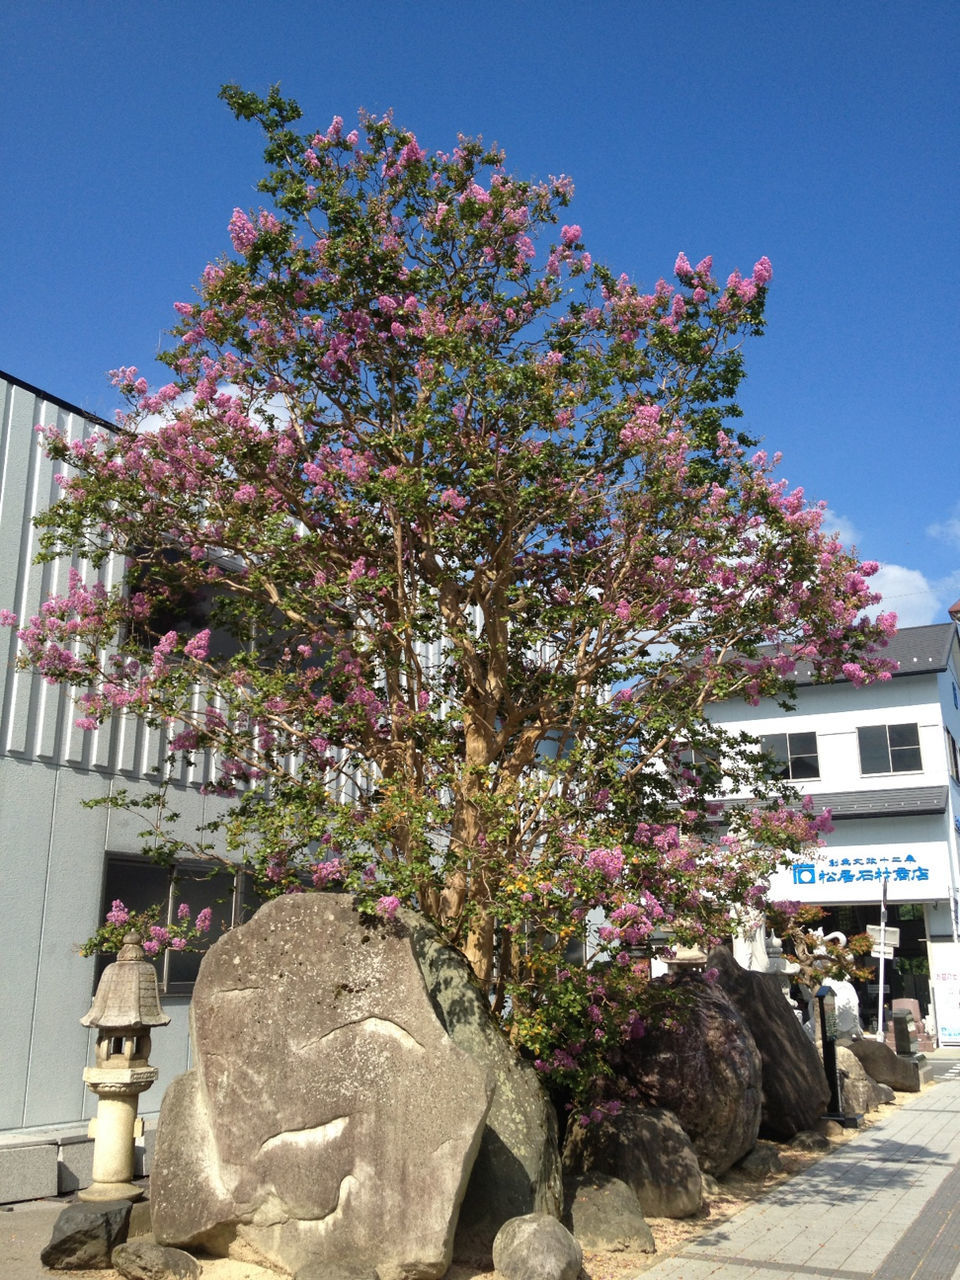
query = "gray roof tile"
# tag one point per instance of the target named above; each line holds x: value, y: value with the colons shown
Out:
x: 889, y: 802
x: 915, y: 650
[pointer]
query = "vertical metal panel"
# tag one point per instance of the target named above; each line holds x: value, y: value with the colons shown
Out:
x: 58, y: 1044
x: 27, y: 799
x: 51, y: 849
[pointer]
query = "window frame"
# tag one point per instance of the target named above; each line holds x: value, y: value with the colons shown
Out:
x: 953, y: 755
x: 240, y: 897
x: 791, y: 754
x: 894, y: 751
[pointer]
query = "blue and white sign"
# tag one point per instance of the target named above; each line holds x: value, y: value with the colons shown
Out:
x: 834, y: 875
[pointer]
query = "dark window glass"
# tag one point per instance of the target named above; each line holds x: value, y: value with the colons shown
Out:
x: 804, y: 767
x: 874, y: 750
x: 904, y: 748
x: 775, y: 745
x: 140, y: 884
x: 186, y: 610
x: 198, y: 889
x: 893, y: 748
x: 795, y: 754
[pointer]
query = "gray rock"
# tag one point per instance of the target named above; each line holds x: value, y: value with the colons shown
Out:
x: 517, y: 1169
x: 709, y: 1185
x: 536, y: 1247
x: 829, y: 1128
x: 329, y: 1118
x: 761, y: 1162
x: 603, y: 1213
x: 795, y: 1092
x: 859, y: 1093
x: 141, y: 1260
x: 810, y: 1140
x: 646, y: 1148
x: 85, y: 1235
x: 708, y: 1075
x: 885, y: 1066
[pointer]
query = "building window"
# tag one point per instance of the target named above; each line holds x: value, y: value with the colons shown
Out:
x: 953, y: 756
x: 140, y: 884
x: 890, y: 748
x: 795, y: 754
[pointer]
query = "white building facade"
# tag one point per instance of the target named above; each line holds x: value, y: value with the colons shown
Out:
x: 884, y: 760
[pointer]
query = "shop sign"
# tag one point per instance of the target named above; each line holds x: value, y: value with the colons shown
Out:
x: 830, y: 876
x: 945, y: 981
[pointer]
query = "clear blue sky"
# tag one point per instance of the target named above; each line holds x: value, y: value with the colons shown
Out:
x: 822, y: 134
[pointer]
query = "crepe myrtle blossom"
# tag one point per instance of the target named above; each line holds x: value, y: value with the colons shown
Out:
x: 181, y: 934
x: 502, y: 546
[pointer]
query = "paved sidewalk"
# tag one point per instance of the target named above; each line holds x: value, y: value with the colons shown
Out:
x: 885, y: 1206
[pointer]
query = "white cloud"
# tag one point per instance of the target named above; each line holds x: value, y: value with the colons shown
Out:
x: 908, y: 594
x: 841, y: 526
x: 275, y: 405
x: 947, y: 530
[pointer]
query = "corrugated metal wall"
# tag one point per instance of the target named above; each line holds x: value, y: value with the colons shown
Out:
x: 51, y: 848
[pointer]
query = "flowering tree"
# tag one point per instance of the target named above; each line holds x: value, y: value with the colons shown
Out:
x: 468, y: 506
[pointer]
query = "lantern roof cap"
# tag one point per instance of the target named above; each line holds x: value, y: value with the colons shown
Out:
x: 127, y: 997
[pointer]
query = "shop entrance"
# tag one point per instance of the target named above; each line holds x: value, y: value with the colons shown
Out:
x: 907, y: 976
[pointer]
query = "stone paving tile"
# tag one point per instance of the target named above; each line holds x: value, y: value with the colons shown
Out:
x: 884, y: 1207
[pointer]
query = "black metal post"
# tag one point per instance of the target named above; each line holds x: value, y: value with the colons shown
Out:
x: 828, y: 1041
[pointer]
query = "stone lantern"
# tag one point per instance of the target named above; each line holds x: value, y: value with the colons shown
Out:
x: 125, y: 1008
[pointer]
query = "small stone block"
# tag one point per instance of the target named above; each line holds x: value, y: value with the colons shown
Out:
x: 810, y: 1140
x: 76, y: 1166
x: 28, y: 1172
x: 759, y: 1163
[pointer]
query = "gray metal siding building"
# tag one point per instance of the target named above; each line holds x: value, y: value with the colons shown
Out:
x: 53, y: 852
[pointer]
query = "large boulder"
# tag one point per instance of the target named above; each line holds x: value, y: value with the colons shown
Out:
x: 329, y: 1119
x: 517, y: 1169
x: 707, y: 1073
x: 794, y: 1087
x: 646, y: 1148
x: 885, y: 1066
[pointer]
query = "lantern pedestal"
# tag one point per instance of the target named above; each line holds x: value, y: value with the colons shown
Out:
x: 117, y: 1090
x: 125, y: 1009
